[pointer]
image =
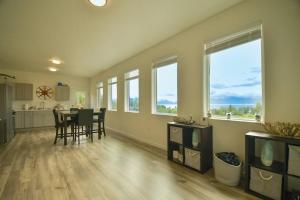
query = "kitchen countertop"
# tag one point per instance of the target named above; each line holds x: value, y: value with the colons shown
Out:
x: 36, y: 110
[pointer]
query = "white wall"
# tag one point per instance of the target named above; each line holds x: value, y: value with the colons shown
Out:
x: 49, y: 79
x: 281, y: 24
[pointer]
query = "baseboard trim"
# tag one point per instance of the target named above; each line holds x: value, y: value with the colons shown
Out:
x: 129, y: 136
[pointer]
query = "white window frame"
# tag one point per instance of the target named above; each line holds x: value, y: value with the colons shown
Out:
x: 99, y: 103
x: 127, y: 79
x: 206, y: 73
x: 112, y: 81
x: 156, y: 65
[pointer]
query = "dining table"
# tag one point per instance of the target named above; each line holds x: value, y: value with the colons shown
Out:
x: 66, y: 114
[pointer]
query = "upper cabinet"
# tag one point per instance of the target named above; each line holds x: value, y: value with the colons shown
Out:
x: 23, y: 91
x: 62, y: 93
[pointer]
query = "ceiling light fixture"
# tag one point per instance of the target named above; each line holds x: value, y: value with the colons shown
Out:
x: 98, y: 2
x: 56, y: 61
x: 53, y: 69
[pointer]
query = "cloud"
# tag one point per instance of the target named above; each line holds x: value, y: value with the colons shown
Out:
x: 255, y: 70
x: 169, y: 95
x: 251, y: 83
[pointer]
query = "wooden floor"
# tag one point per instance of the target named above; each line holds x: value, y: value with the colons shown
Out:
x: 31, y: 167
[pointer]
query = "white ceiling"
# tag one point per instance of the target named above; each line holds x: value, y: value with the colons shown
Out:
x: 90, y: 39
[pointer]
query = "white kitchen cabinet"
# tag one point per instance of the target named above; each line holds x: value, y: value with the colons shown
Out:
x: 23, y: 91
x: 34, y: 119
x: 20, y: 121
x: 62, y: 93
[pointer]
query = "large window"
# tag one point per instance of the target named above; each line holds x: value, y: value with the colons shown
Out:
x: 132, y: 91
x: 165, y: 88
x: 80, y: 99
x: 235, y: 76
x: 112, y: 94
x: 100, y: 95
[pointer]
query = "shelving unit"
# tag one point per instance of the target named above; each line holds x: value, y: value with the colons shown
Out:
x: 278, y: 167
x: 197, y: 157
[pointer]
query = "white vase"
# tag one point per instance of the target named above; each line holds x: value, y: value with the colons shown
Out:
x: 195, y: 138
x: 267, y: 154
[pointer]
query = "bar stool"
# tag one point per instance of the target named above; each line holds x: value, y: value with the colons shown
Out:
x: 84, y: 120
x: 100, y: 122
x: 59, y: 125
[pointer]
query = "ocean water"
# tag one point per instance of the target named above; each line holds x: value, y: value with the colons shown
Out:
x: 214, y: 106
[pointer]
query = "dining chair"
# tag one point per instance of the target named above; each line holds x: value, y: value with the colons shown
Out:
x: 74, y: 119
x: 85, y: 122
x: 100, y: 122
x: 59, y: 125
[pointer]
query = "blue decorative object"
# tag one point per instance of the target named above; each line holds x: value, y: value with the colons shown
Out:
x: 267, y: 154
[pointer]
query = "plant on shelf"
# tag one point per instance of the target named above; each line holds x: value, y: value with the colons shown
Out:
x: 283, y: 128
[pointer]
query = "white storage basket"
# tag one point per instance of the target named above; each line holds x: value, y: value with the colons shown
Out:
x: 294, y: 160
x: 176, y: 134
x: 226, y: 173
x: 266, y: 183
x: 192, y: 158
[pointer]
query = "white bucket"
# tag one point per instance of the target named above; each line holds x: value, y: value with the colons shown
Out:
x: 226, y: 173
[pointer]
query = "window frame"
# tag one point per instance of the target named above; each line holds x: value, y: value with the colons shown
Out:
x: 112, y: 81
x: 100, y: 85
x: 155, y: 66
x: 206, y: 78
x: 127, y: 80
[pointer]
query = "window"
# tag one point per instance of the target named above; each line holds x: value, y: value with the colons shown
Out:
x: 80, y: 99
x: 132, y: 91
x: 100, y: 95
x: 165, y: 87
x: 112, y: 94
x: 235, y: 76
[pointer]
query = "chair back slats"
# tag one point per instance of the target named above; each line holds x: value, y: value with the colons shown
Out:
x: 102, y: 113
x: 85, y: 117
x: 56, y: 120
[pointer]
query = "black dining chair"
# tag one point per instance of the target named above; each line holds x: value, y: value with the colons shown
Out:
x: 84, y: 124
x: 59, y: 125
x: 74, y: 119
x: 100, y: 122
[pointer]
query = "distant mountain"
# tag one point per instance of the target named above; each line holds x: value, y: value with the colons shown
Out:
x: 234, y: 100
x: 165, y: 101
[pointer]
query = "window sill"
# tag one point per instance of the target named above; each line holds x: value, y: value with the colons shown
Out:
x: 135, y: 112
x: 165, y: 114
x: 236, y: 120
x: 112, y: 110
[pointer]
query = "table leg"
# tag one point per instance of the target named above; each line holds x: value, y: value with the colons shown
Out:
x: 65, y: 130
x: 99, y: 128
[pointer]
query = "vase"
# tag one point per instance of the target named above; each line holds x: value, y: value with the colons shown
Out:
x: 195, y: 138
x: 267, y: 154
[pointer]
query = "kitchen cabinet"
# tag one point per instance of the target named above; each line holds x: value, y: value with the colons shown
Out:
x: 62, y: 93
x: 23, y: 91
x: 19, y: 121
x: 28, y: 119
x: 34, y: 119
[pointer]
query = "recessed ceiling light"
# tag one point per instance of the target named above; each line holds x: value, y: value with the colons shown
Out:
x: 53, y: 69
x: 98, y: 2
x: 56, y: 61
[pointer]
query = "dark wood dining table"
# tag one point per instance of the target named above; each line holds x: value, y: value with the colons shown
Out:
x: 65, y: 114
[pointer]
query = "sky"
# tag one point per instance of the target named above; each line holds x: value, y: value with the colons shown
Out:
x: 235, y: 74
x: 167, y: 83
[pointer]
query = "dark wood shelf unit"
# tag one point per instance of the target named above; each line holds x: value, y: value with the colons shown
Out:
x: 279, y: 167
x: 205, y: 146
x: 276, y: 167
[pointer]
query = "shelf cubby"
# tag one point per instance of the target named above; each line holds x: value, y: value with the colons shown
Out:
x: 184, y: 135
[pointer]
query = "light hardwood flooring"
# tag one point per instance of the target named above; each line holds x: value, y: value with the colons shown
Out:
x: 31, y: 167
